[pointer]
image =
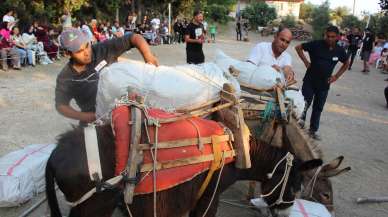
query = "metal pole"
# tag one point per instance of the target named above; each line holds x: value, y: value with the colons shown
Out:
x: 354, y: 7
x: 169, y: 22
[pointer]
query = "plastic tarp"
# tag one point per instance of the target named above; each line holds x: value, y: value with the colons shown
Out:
x: 262, y: 77
x: 22, y: 174
x: 300, y: 208
x: 298, y: 100
x: 167, y: 88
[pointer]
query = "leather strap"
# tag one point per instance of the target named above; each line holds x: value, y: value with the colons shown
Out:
x: 92, y: 153
x: 216, y: 164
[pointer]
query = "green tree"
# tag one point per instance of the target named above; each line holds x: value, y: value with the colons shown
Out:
x: 384, y: 5
x: 338, y: 13
x: 305, y: 12
x: 288, y: 21
x: 217, y: 13
x: 320, y: 19
x: 259, y: 14
x: 351, y: 21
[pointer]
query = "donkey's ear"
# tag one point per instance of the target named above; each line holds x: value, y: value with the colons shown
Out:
x: 309, y: 165
x: 332, y: 165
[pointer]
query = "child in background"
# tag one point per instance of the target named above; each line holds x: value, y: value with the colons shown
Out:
x: 213, y: 32
x: 384, y: 59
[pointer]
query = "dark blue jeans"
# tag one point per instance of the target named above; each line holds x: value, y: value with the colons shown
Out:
x: 386, y: 94
x: 318, y: 98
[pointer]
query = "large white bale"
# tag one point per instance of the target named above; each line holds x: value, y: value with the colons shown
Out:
x: 298, y: 100
x: 168, y: 88
x: 22, y: 174
x: 262, y: 77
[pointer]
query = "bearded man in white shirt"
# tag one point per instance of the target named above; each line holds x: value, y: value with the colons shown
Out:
x: 274, y: 54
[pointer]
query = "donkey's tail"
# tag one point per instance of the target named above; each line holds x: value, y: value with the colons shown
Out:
x: 50, y: 191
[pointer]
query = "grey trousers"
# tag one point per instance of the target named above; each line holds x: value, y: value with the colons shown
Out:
x: 13, y: 53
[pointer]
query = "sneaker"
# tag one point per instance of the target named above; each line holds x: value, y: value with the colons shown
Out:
x: 315, y: 135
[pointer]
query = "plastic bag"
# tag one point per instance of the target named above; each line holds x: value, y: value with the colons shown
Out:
x: 22, y: 174
x: 298, y: 99
x: 167, y: 88
x: 262, y: 77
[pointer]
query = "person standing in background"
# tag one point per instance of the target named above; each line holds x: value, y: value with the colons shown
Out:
x: 354, y: 39
x: 194, y: 38
x: 324, y: 56
x: 367, y: 47
x: 238, y: 29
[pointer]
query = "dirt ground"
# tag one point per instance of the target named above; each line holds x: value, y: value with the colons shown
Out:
x: 354, y: 124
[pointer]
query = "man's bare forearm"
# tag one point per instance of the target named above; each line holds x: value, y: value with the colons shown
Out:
x: 343, y: 69
x: 70, y: 112
x: 299, y: 51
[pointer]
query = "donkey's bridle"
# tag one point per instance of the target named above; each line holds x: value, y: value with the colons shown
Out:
x: 289, y: 159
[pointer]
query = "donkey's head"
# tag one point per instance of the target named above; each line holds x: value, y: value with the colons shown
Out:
x: 282, y: 184
x: 317, y: 185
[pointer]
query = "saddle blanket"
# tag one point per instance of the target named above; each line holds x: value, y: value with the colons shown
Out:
x: 191, y: 128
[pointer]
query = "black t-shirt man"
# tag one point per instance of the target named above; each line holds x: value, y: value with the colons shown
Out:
x: 323, y: 60
x: 82, y: 87
x: 354, y: 41
x: 324, y: 56
x: 78, y: 80
x: 195, y: 37
x: 367, y: 43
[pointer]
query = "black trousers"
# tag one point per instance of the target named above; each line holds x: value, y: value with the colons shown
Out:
x: 352, y: 54
x: 195, y: 57
x: 386, y: 95
x: 316, y: 97
x: 238, y: 34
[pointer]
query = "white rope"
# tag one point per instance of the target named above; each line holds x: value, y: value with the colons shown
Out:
x: 289, y: 157
x: 87, y: 195
x: 311, y: 185
x: 217, y: 183
x: 128, y: 210
x: 155, y: 148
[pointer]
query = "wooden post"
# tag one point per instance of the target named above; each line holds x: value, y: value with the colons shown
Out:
x: 134, y: 155
x: 233, y: 118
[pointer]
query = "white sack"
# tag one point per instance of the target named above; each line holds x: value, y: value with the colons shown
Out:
x: 22, y: 174
x: 258, y: 76
x: 298, y: 99
x: 168, y: 88
x: 300, y: 208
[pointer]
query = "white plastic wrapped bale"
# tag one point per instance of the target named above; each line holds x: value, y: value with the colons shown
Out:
x: 168, y: 88
x: 298, y: 99
x: 22, y: 174
x: 262, y: 77
x: 300, y: 208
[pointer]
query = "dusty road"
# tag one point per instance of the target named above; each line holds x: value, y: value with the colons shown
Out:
x: 354, y: 124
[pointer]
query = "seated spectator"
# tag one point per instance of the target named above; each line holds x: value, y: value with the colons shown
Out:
x: 384, y: 59
x: 7, y: 49
x: 21, y: 47
x: 376, y: 53
x: 86, y: 28
x: 50, y: 47
x: 95, y: 30
x: 10, y: 19
x: 36, y: 47
x: 117, y: 30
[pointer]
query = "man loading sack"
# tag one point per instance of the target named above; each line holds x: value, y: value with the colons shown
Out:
x: 274, y: 54
x: 78, y: 80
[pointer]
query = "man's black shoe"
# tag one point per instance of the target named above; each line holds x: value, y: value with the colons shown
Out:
x: 315, y: 135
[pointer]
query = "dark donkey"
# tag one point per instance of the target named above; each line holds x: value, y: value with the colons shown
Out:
x: 67, y: 166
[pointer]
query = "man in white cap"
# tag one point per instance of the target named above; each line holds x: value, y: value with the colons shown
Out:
x: 78, y: 80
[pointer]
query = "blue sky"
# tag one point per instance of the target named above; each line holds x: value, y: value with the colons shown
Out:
x: 371, y: 6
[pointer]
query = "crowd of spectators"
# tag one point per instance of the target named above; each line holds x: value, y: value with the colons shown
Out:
x: 373, y: 49
x: 26, y: 46
x: 38, y: 43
